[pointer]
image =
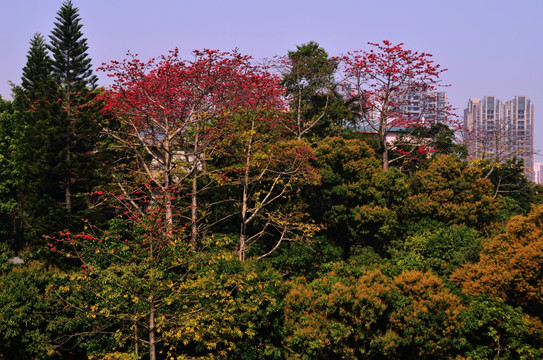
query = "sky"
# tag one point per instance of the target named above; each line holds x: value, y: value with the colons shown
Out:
x: 490, y: 47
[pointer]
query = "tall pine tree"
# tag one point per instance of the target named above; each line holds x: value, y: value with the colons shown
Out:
x: 8, y: 202
x: 73, y: 74
x: 57, y: 132
x: 36, y: 142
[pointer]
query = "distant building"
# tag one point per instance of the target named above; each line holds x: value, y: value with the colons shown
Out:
x: 500, y: 130
x: 429, y: 107
x: 392, y: 134
x: 538, y: 173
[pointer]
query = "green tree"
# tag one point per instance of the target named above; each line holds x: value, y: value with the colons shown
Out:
x: 452, y: 192
x: 357, y: 200
x: 36, y: 144
x: 491, y: 329
x: 444, y: 140
x: 25, y: 309
x: 437, y: 248
x: 143, y: 293
x: 308, y: 75
x: 80, y: 127
x: 9, y: 211
x: 265, y: 171
x: 71, y: 63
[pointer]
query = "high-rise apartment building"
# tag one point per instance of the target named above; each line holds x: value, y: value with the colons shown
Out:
x: 430, y: 107
x: 500, y: 130
x: 538, y: 173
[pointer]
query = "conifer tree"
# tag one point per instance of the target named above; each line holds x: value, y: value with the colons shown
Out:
x: 37, y: 80
x: 35, y: 147
x: 73, y: 74
x: 71, y: 62
x: 8, y: 203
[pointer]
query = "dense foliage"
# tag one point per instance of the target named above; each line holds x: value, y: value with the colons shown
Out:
x: 214, y: 209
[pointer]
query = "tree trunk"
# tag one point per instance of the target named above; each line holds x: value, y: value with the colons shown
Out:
x: 243, y: 230
x: 68, y: 180
x: 299, y: 110
x: 167, y: 190
x: 136, y: 339
x: 194, y: 212
x: 152, y: 341
x: 383, y: 120
x: 385, y: 151
x: 194, y: 192
x: 68, y: 174
x: 169, y: 213
x: 385, y: 158
x: 245, y: 198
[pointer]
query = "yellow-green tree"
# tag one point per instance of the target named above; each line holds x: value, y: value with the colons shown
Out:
x: 353, y: 314
x: 452, y: 192
x: 136, y: 294
x: 511, y: 265
x: 26, y: 312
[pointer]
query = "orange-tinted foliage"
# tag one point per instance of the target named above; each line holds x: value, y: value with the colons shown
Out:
x: 511, y: 265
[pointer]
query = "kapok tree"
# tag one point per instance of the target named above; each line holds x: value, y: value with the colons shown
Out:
x: 383, y: 83
x: 168, y: 111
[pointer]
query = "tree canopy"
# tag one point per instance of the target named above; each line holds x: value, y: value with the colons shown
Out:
x: 214, y: 208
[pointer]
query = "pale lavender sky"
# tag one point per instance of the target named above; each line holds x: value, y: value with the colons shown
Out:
x: 491, y: 47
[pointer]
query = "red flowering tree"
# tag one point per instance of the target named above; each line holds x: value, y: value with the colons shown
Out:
x: 171, y: 113
x: 172, y: 121
x: 175, y: 116
x: 383, y: 83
